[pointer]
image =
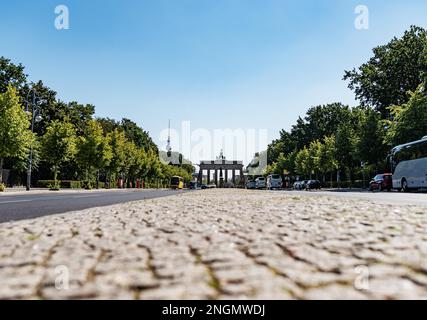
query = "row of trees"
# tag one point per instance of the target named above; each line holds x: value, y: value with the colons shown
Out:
x: 69, y: 143
x: 336, y: 140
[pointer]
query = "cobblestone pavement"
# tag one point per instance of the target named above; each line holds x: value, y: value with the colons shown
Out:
x: 220, y: 244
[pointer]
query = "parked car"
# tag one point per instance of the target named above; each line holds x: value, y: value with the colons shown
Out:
x: 304, y: 184
x: 300, y: 185
x: 212, y: 186
x: 204, y: 187
x: 251, y: 184
x: 260, y: 183
x: 274, y: 181
x: 229, y: 185
x: 193, y: 185
x: 313, y: 185
x: 297, y: 185
x: 383, y: 181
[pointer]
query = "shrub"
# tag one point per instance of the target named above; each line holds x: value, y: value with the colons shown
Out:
x: 2, y: 187
x: 345, y: 184
x: 75, y: 185
x: 65, y: 184
x: 87, y: 184
x: 69, y: 184
x: 56, y: 186
x: 43, y: 183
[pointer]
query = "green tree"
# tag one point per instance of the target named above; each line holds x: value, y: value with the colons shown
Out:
x: 302, y: 165
x: 137, y: 135
x: 281, y: 165
x: 46, y: 101
x: 189, y: 168
x: 319, y: 121
x: 15, y: 136
x: 327, y: 156
x: 370, y: 144
x: 324, y: 120
x: 409, y: 120
x: 117, y: 163
x: 270, y: 169
x: 345, y: 145
x: 395, y: 69
x: 79, y: 114
x: 58, y: 145
x: 284, y: 145
x: 170, y: 170
x: 314, y: 157
x: 154, y: 167
x: 108, y: 125
x: 11, y: 74
x: 93, y: 152
x: 285, y: 164
x: 133, y: 161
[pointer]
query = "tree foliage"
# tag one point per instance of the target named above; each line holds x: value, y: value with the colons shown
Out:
x: 58, y: 145
x: 395, y: 69
x: 93, y: 151
x: 409, y: 120
x: 118, y: 148
x: 11, y: 75
x: 336, y: 138
x: 71, y: 139
x: 15, y: 136
x: 371, y: 148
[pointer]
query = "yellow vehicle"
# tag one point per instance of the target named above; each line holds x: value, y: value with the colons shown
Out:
x: 177, y: 183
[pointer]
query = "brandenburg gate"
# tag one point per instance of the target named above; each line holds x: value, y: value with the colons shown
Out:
x: 221, y: 168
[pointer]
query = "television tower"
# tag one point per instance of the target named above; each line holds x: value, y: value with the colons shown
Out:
x: 168, y: 146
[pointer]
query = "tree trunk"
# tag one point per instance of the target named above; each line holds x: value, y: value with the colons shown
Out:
x: 97, y: 180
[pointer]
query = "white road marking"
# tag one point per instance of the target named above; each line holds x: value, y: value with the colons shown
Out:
x: 15, y: 201
x: 35, y: 198
x: 48, y: 198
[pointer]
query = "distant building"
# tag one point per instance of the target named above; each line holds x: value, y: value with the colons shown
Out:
x: 221, y: 169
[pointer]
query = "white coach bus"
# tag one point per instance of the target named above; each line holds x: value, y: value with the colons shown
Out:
x: 409, y: 165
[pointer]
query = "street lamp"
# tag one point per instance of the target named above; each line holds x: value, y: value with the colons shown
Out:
x: 35, y: 117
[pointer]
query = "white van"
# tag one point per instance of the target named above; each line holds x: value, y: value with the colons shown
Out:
x: 260, y: 183
x: 274, y: 181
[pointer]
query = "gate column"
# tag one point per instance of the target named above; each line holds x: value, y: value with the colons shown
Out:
x: 200, y: 176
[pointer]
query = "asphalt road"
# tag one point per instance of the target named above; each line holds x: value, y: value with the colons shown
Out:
x: 16, y: 207
x: 393, y: 197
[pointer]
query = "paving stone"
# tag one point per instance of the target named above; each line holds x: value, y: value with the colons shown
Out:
x: 213, y: 244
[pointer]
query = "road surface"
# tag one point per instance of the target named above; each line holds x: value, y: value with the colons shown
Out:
x: 20, y: 206
x: 394, y: 197
x: 216, y: 244
x: 15, y: 207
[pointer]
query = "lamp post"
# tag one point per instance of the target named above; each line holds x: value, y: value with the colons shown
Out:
x: 35, y: 116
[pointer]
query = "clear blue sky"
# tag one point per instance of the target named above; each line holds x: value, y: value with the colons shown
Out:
x: 220, y: 64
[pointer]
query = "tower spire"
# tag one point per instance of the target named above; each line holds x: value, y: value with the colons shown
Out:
x: 168, y: 146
